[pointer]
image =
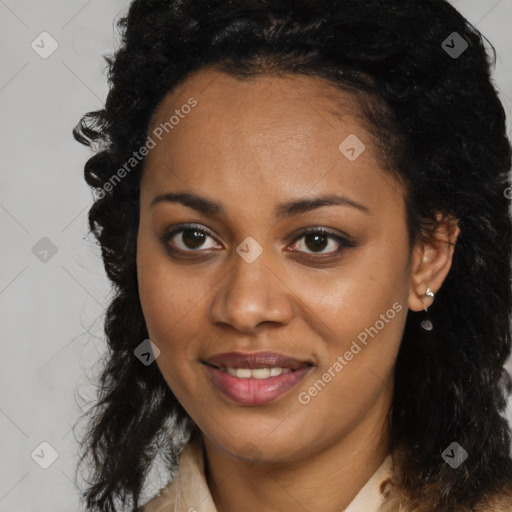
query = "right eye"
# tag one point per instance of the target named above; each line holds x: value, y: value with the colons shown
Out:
x: 191, y: 238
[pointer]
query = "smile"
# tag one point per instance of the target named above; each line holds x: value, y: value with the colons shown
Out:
x: 257, y: 386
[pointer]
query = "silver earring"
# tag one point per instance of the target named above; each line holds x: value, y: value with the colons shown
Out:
x: 429, y: 293
x: 427, y: 324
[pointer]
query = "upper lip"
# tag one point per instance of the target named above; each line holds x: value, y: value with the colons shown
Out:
x: 265, y: 359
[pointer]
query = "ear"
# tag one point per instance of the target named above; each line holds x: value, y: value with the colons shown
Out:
x: 431, y: 261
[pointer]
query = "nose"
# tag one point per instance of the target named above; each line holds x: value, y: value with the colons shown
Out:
x: 251, y: 294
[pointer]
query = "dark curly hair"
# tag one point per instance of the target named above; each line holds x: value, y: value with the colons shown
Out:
x: 439, y: 126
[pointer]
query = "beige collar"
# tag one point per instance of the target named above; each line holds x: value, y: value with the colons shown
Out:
x: 189, y: 492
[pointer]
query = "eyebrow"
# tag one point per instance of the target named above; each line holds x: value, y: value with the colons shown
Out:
x: 295, y: 207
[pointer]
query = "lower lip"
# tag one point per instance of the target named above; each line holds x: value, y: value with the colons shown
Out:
x: 256, y: 391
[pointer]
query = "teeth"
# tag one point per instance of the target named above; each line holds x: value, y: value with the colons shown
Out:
x: 257, y: 373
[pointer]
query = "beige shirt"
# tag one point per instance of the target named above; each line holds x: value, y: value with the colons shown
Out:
x: 189, y: 492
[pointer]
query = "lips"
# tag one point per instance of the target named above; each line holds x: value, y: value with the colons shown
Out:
x: 265, y: 359
x: 240, y: 378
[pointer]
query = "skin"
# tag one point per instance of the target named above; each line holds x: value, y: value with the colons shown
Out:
x: 251, y: 145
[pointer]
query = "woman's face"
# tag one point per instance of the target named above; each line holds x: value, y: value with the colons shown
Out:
x: 252, y: 161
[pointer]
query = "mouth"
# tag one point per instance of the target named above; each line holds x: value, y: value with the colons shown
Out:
x: 253, y: 373
x: 255, y: 378
x: 265, y: 360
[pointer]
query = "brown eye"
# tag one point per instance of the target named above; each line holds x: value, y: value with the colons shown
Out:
x: 187, y: 239
x: 193, y: 238
x: 316, y: 240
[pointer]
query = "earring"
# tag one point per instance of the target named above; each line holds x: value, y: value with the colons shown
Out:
x: 426, y: 324
x: 429, y: 293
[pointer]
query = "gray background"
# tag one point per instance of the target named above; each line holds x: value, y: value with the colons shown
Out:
x: 51, y: 312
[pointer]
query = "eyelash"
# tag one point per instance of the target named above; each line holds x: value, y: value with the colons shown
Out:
x: 345, y: 243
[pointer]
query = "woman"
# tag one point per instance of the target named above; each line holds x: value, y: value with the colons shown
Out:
x: 302, y: 206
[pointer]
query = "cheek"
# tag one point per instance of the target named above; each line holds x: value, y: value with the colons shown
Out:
x: 165, y: 293
x: 361, y: 314
x: 356, y: 367
x: 171, y: 308
x: 170, y: 304
x: 370, y: 290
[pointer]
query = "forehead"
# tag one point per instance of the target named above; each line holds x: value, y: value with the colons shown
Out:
x: 283, y: 133
x: 264, y: 104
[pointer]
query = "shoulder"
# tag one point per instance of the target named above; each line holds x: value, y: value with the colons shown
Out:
x: 396, y: 499
x: 498, y: 502
x: 188, y: 486
x: 163, y: 502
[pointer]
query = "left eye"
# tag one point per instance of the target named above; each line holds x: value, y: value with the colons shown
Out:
x: 318, y: 239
